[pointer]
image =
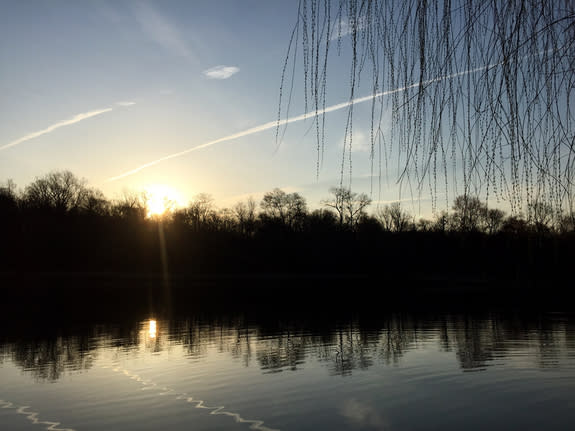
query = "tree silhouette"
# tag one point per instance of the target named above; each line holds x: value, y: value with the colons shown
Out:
x: 494, y: 220
x: 541, y: 215
x: 8, y: 197
x: 96, y: 203
x: 348, y: 205
x: 288, y: 208
x: 393, y: 218
x: 469, y: 213
x: 245, y: 213
x: 131, y: 205
x: 201, y: 211
x: 61, y: 191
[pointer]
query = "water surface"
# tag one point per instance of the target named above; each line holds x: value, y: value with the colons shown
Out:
x: 238, y: 370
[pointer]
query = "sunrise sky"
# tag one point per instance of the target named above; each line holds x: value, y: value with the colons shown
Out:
x: 103, y: 88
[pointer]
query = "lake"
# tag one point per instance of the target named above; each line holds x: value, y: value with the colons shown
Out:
x: 269, y: 368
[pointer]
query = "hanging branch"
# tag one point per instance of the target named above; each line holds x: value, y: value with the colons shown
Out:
x: 479, y: 92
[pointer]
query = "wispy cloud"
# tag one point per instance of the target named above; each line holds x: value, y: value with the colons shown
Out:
x: 361, y: 142
x: 162, y: 31
x: 345, y: 26
x: 408, y: 200
x: 221, y: 72
x: 307, y: 115
x: 75, y: 119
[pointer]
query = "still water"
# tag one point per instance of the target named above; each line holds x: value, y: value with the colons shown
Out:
x: 241, y: 371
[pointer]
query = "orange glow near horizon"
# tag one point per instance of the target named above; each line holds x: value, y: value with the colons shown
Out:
x: 162, y: 199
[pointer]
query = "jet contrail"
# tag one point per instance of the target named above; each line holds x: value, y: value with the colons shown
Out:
x: 273, y: 124
x: 74, y: 119
x: 68, y: 122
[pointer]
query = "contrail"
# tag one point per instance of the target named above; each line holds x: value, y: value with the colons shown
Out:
x: 75, y: 119
x: 273, y: 124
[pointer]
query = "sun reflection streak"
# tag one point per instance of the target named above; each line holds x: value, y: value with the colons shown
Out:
x: 152, y: 329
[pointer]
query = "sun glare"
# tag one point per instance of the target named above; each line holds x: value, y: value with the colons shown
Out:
x: 152, y: 329
x: 161, y: 199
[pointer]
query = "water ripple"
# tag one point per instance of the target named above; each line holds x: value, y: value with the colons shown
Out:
x: 199, y: 404
x: 33, y: 416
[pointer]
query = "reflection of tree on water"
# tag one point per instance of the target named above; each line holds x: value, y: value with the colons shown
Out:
x: 478, y: 341
x: 398, y: 333
x: 352, y: 352
x: 361, y: 346
x: 475, y: 344
x: 343, y: 348
x: 198, y: 333
x: 287, y: 351
x: 50, y: 359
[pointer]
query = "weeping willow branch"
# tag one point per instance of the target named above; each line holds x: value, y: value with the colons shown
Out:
x: 504, y: 132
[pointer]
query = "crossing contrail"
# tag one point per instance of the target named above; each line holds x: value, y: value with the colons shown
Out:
x: 312, y: 114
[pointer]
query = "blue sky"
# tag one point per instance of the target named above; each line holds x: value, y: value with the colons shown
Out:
x: 103, y: 87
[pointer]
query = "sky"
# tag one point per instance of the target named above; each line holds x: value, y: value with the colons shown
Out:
x: 104, y: 88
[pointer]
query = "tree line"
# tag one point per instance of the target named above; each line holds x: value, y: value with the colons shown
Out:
x: 61, y: 193
x: 58, y: 224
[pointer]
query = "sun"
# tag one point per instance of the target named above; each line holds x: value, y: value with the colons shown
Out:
x: 161, y: 199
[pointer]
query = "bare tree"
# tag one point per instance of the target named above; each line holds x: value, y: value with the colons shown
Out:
x: 224, y: 219
x: 349, y: 206
x: 245, y: 213
x: 567, y: 222
x: 8, y: 195
x: 322, y: 220
x: 515, y: 224
x: 393, y: 218
x: 201, y: 211
x: 340, y: 195
x: 424, y: 225
x: 494, y: 220
x: 468, y: 213
x: 130, y: 205
x: 541, y: 216
x: 96, y: 203
x: 289, y: 208
x: 61, y: 191
x: 442, y: 221
x: 9, y: 188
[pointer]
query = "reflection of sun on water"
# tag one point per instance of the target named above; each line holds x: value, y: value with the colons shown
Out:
x: 152, y: 329
x: 150, y: 336
x: 161, y: 199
